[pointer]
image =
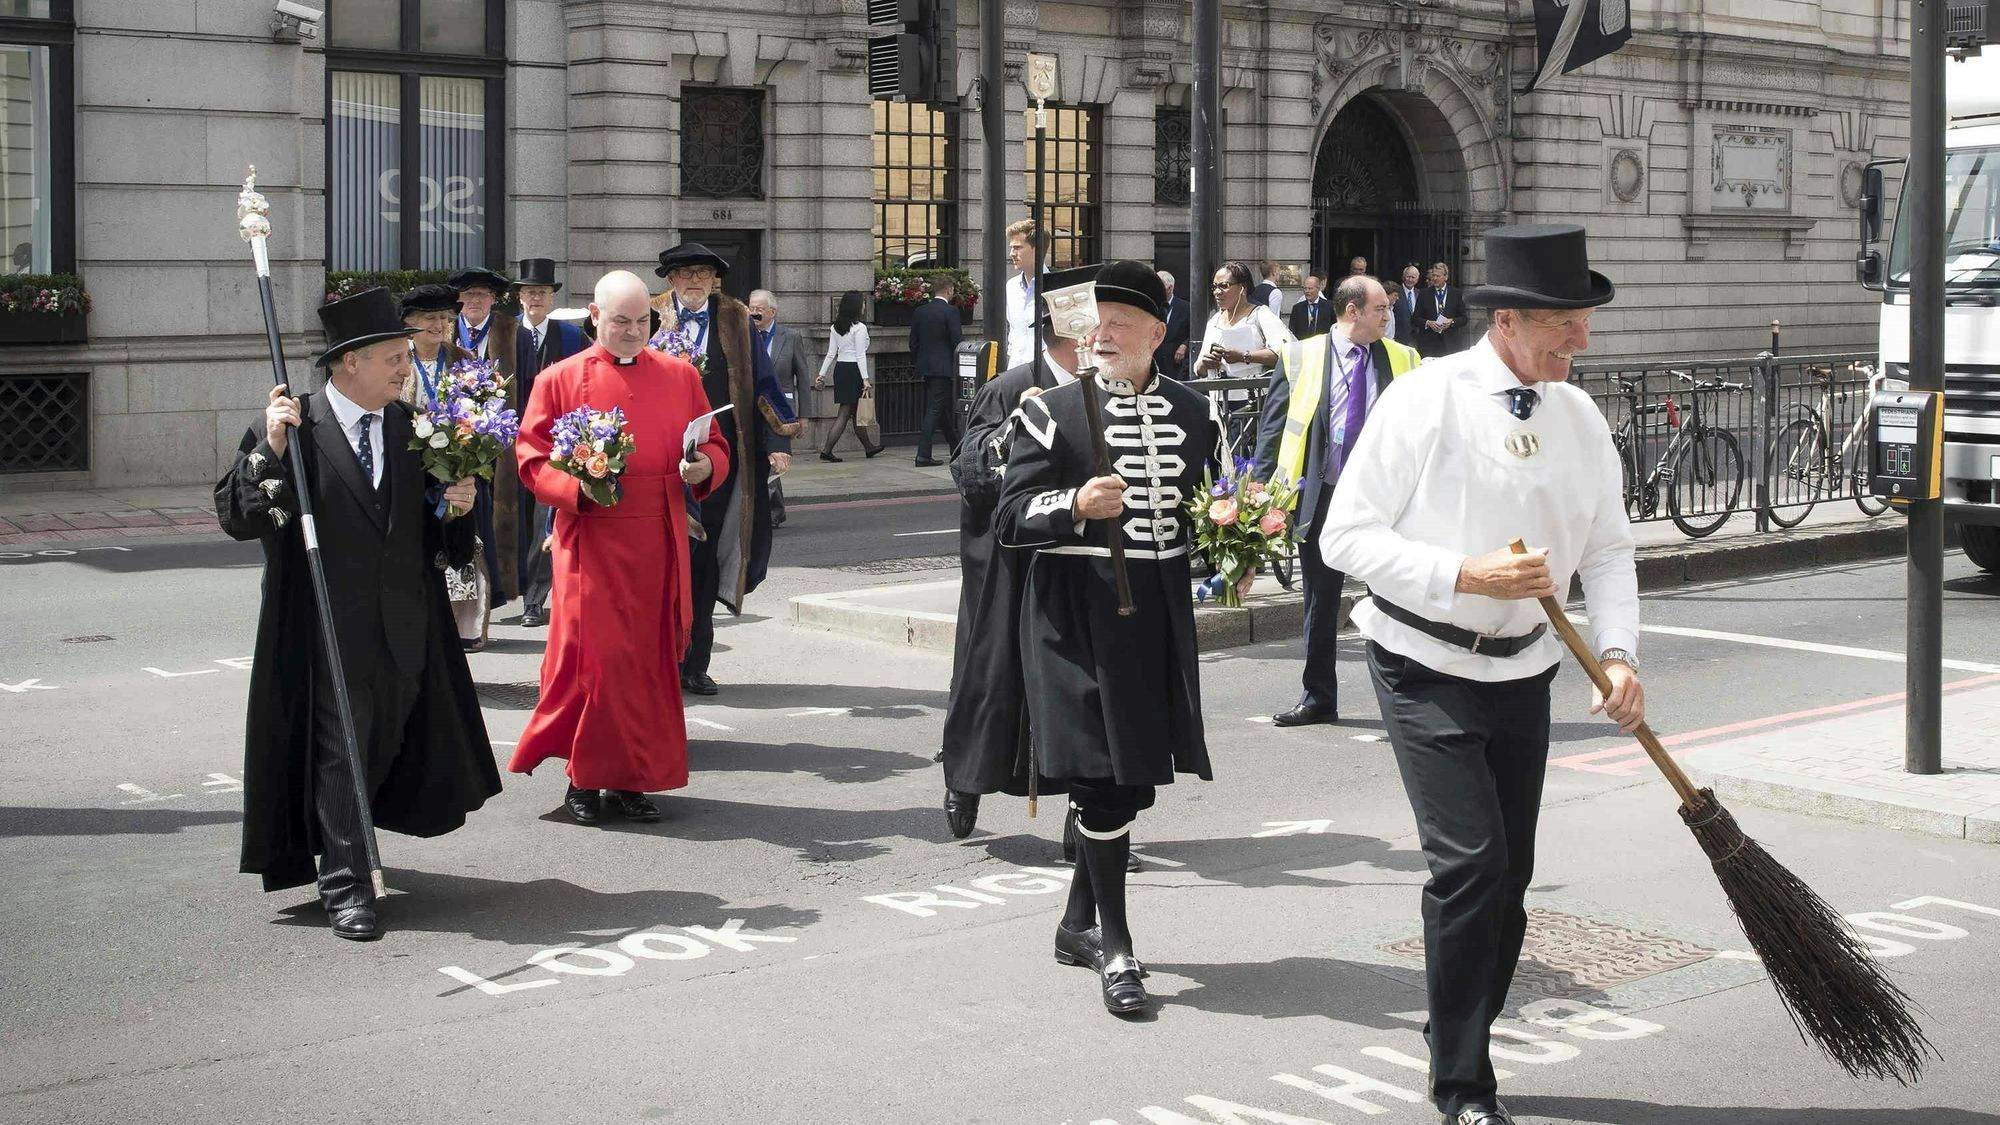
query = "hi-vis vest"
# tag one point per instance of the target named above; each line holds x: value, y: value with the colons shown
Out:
x: 1305, y: 373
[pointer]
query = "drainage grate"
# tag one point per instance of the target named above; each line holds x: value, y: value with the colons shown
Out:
x: 519, y: 697
x: 1565, y: 955
x: 44, y: 423
x: 903, y: 566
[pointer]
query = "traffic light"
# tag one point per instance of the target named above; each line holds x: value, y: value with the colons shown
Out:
x: 912, y: 60
x: 1970, y: 24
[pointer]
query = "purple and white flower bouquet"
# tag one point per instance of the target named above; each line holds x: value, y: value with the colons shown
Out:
x: 592, y: 446
x: 467, y: 428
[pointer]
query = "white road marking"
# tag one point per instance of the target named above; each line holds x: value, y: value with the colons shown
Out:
x: 1805, y: 646
x: 222, y: 783
x: 26, y: 686
x: 1369, y: 738
x: 811, y: 711
x: 166, y: 675
x: 1258, y: 719
x: 709, y: 723
x: 1293, y: 828
x: 142, y: 796
x: 910, y: 534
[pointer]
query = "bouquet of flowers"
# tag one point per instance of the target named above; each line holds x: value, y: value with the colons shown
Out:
x: 1239, y: 522
x: 679, y: 343
x: 466, y: 429
x: 592, y: 446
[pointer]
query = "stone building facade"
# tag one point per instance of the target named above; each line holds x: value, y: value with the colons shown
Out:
x: 1714, y: 159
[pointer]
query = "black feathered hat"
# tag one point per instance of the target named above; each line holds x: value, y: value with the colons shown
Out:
x: 538, y: 271
x: 429, y: 297
x: 1539, y: 266
x: 368, y: 317
x: 1132, y: 283
x: 479, y: 277
x: 691, y: 254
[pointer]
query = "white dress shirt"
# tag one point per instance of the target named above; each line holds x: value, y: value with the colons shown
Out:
x: 535, y: 331
x: 849, y: 348
x: 1276, y: 302
x: 470, y: 328
x: 1433, y: 481
x: 349, y: 416
x: 700, y: 336
x: 1020, y: 321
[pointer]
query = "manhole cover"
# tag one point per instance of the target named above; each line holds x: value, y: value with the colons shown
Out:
x: 522, y: 696
x: 903, y: 566
x: 1565, y: 955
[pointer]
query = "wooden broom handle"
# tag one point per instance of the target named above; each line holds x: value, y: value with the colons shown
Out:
x: 1560, y: 622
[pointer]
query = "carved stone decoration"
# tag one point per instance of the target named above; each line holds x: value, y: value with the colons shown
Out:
x: 1408, y: 56
x: 1751, y: 168
x: 1850, y: 184
x: 1355, y: 172
x: 1627, y: 175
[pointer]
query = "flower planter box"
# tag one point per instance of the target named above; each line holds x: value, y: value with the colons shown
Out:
x: 22, y: 328
x: 894, y: 316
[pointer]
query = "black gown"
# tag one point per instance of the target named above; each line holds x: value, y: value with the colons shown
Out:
x: 389, y: 604
x: 1110, y: 697
x: 986, y: 721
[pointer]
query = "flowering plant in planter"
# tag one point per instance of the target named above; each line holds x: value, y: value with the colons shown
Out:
x: 58, y: 294
x: 905, y: 286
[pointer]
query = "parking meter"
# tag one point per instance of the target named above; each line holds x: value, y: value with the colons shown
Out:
x: 1906, y: 455
x: 978, y: 361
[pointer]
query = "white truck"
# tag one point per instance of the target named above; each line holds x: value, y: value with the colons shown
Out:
x: 1972, y: 303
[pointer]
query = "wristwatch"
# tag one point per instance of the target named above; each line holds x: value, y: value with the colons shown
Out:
x: 1620, y: 655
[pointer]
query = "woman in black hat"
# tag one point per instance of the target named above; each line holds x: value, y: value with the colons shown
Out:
x: 1468, y: 452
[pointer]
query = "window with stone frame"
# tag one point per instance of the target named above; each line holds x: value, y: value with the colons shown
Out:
x: 722, y: 142
x: 916, y: 202
x: 1072, y: 202
x: 416, y: 84
x: 1173, y: 138
x: 37, y: 137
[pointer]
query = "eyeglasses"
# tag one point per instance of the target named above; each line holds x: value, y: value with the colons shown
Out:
x: 1223, y: 285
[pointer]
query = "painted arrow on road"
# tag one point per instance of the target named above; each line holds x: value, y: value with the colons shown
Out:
x: 1294, y: 828
x: 27, y: 686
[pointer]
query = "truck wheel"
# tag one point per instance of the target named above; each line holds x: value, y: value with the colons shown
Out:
x: 1982, y: 545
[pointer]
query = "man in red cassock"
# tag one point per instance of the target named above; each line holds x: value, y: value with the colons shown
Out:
x: 621, y: 608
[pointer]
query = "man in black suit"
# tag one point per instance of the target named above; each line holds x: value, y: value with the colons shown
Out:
x: 1405, y: 306
x: 935, y: 331
x: 1314, y: 314
x: 1440, y: 315
x: 1170, y: 358
x: 417, y: 723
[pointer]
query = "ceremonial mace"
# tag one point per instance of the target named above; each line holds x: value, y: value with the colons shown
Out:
x: 253, y: 222
x: 1829, y: 984
x: 1073, y: 316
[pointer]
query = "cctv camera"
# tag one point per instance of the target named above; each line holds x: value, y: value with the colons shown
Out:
x: 295, y: 21
x: 300, y: 12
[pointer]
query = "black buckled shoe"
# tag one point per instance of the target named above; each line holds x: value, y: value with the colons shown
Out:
x: 356, y: 923
x: 961, y: 811
x: 1124, y: 994
x: 699, y: 683
x: 1305, y: 715
x: 634, y: 806
x: 1082, y: 948
x: 1495, y: 1114
x: 584, y: 805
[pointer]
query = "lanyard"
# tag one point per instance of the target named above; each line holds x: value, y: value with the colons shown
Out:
x: 472, y: 340
x: 430, y: 381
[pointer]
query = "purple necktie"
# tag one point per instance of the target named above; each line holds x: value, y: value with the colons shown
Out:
x: 1356, y: 411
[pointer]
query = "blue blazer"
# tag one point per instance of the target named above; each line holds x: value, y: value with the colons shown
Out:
x: 560, y: 340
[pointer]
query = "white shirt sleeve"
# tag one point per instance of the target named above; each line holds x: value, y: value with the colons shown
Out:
x: 832, y: 350
x: 1610, y: 579
x: 1376, y: 485
x: 1276, y: 334
x: 861, y: 353
x: 1276, y: 302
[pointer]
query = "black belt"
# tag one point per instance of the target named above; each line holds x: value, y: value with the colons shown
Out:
x: 1479, y: 644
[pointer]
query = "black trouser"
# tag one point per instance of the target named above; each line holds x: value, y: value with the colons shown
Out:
x: 705, y: 582
x: 1322, y: 605
x: 537, y: 565
x: 938, y: 413
x: 1472, y: 756
x: 382, y: 697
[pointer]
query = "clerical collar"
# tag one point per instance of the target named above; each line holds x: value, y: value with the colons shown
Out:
x: 622, y: 361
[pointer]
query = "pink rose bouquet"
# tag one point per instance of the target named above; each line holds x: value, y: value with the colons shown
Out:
x: 1239, y: 523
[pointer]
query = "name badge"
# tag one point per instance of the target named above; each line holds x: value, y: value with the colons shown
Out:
x: 1523, y: 444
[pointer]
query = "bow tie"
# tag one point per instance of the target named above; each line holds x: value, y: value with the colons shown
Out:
x: 699, y: 316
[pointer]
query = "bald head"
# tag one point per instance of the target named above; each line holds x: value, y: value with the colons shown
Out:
x: 621, y: 311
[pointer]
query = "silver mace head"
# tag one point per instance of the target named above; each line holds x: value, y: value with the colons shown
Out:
x: 1073, y: 316
x: 253, y: 211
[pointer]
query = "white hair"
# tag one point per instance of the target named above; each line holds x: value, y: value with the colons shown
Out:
x: 770, y: 298
x: 618, y: 283
x: 1166, y: 279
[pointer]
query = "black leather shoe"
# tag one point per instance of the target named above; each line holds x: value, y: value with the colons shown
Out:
x: 825, y: 456
x: 1305, y: 716
x: 531, y: 620
x: 777, y: 518
x: 927, y: 462
x: 1495, y: 1114
x: 477, y: 645
x: 961, y: 811
x: 356, y: 923
x: 699, y: 683
x: 1082, y: 948
x: 634, y: 806
x: 875, y: 452
x: 1124, y: 993
x: 584, y: 805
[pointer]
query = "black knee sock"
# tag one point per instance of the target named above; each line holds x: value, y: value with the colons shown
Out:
x: 1105, y: 861
x: 1081, y: 913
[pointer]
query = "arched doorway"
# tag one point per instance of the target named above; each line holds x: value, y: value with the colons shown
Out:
x: 1369, y: 198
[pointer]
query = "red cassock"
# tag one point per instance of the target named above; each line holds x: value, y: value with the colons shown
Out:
x: 620, y: 610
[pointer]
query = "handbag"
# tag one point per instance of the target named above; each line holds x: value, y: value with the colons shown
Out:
x: 864, y: 411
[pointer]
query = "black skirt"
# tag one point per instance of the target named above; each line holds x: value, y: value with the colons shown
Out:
x: 846, y: 384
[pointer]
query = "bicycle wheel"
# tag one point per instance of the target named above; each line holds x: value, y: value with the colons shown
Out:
x: 1622, y: 441
x: 1283, y: 570
x: 1792, y: 472
x: 1708, y: 480
x: 1854, y: 476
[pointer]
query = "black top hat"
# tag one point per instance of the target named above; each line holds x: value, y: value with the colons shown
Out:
x: 429, y: 297
x: 1539, y: 267
x: 368, y: 317
x: 477, y: 277
x: 1135, y: 284
x: 538, y: 271
x: 691, y: 254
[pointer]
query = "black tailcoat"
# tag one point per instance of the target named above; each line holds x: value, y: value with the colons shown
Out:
x: 1110, y: 696
x: 986, y: 723
x: 378, y: 547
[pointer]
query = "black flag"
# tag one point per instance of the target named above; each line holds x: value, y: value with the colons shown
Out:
x: 1571, y: 33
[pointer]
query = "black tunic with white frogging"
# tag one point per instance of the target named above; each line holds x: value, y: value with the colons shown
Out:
x: 1109, y: 696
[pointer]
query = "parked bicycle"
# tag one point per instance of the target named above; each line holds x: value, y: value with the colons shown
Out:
x: 1804, y: 467
x: 1701, y: 470
x: 1239, y: 439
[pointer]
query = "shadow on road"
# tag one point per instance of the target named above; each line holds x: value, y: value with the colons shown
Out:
x: 21, y: 821
x: 830, y: 763
x: 883, y: 702
x: 1298, y: 988
x: 1276, y: 861
x: 818, y: 835
x: 1618, y: 1111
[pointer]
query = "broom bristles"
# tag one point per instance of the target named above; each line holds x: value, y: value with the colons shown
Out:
x: 1835, y: 993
